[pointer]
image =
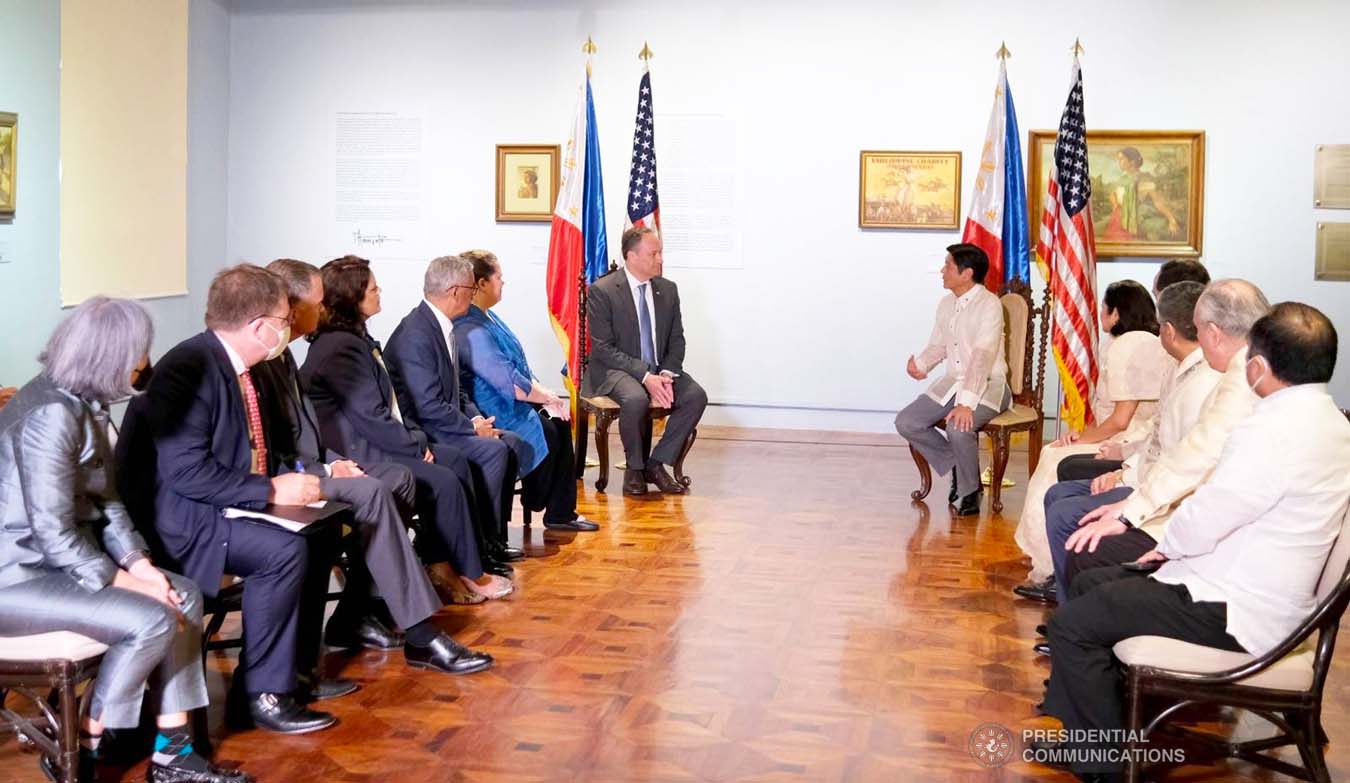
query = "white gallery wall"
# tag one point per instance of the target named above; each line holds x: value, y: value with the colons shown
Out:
x: 806, y: 320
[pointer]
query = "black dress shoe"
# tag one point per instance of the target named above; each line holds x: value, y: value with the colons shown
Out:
x: 970, y: 504
x: 371, y: 633
x: 159, y: 773
x: 311, y: 689
x: 952, y: 496
x: 580, y: 524
x: 634, y: 482
x: 1041, y: 630
x: 446, y: 655
x: 1043, y: 591
x: 508, y: 554
x: 1041, y: 648
x: 656, y: 474
x: 280, y: 712
x: 498, y: 568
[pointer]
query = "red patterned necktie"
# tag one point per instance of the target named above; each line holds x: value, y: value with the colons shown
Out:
x: 255, y: 428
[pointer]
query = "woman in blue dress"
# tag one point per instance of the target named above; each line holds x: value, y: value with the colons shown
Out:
x: 493, y: 367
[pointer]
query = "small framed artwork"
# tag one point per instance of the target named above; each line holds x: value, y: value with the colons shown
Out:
x: 1148, y: 190
x: 909, y: 189
x: 9, y: 158
x: 527, y: 182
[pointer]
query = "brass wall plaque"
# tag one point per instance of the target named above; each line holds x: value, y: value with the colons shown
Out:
x: 1333, y: 251
x: 1331, y: 176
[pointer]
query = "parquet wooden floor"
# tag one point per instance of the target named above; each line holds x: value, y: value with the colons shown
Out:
x: 795, y: 619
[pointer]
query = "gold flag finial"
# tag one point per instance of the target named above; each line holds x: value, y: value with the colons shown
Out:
x: 1003, y: 52
x: 1077, y: 47
x: 646, y: 53
x: 589, y: 49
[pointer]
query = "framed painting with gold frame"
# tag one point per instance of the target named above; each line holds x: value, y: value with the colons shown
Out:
x: 527, y: 182
x: 1148, y: 190
x: 909, y: 189
x: 9, y: 159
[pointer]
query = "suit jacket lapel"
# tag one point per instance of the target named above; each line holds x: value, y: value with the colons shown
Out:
x: 624, y: 292
x: 446, y: 365
x: 662, y: 304
x: 234, y: 392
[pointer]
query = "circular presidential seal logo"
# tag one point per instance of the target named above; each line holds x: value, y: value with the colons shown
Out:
x: 991, y: 745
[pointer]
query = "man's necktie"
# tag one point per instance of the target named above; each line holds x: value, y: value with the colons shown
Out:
x: 255, y: 428
x: 645, y: 328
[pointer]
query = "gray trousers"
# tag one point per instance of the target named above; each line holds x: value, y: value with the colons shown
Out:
x: 389, y: 558
x: 690, y: 402
x: 948, y: 449
x: 145, y: 643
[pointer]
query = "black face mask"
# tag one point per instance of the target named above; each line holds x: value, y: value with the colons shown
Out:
x: 143, y: 378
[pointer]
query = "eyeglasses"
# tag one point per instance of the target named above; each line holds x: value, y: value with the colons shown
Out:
x: 286, y: 317
x: 466, y: 287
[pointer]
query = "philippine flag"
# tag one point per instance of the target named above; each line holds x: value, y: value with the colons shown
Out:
x: 997, y: 222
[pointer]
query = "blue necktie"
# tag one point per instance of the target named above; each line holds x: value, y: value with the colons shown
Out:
x: 645, y: 328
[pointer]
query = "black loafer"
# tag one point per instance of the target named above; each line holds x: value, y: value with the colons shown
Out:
x: 1043, y: 591
x: 970, y: 504
x: 634, y: 482
x: 158, y: 773
x: 499, y: 569
x: 371, y: 633
x: 280, y: 712
x: 446, y: 655
x: 1041, y: 648
x: 508, y: 554
x: 952, y: 496
x: 580, y: 524
x: 312, y: 689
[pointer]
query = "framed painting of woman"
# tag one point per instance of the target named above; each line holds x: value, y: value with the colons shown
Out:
x: 1148, y: 190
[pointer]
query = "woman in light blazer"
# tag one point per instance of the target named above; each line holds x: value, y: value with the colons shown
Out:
x: 70, y: 558
x: 493, y: 368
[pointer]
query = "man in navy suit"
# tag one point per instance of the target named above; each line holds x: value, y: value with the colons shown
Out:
x: 201, y: 419
x: 422, y: 364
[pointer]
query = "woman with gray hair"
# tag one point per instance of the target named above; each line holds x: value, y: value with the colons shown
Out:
x: 70, y: 558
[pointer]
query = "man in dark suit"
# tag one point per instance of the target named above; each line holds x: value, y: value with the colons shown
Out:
x: 425, y: 373
x: 200, y: 421
x: 637, y: 357
x: 375, y: 492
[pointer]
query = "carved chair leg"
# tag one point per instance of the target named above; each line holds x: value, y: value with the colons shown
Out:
x: 1034, y: 442
x: 602, y: 422
x: 679, y: 461
x: 925, y: 475
x: 1002, y: 444
x: 579, y: 446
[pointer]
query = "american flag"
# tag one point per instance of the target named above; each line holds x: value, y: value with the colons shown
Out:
x: 644, y: 209
x: 1066, y: 246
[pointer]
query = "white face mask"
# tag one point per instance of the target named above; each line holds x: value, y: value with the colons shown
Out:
x: 1257, y: 382
x: 283, y: 338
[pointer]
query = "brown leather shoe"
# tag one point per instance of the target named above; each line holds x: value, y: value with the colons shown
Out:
x: 634, y: 483
x: 656, y: 474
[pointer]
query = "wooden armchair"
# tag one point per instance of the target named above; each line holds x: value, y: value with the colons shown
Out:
x: 606, y: 409
x: 1284, y: 686
x: 1023, y: 324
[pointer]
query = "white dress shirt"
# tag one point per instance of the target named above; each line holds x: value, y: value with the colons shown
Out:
x: 968, y: 335
x: 638, y: 297
x: 236, y: 361
x: 447, y: 329
x: 1257, y: 534
x: 1183, y: 396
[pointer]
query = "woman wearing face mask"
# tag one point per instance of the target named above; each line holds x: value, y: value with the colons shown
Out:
x: 70, y: 559
x: 354, y: 398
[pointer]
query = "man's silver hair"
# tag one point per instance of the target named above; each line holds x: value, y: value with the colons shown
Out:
x: 1233, y: 305
x: 444, y: 272
x: 94, y: 351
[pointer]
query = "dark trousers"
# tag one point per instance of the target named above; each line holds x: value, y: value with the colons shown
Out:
x: 1076, y: 467
x: 634, y: 402
x: 552, y: 486
x: 447, y: 532
x: 1065, y: 504
x: 273, y: 563
x: 381, y: 555
x: 1109, y: 605
x: 492, y: 473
